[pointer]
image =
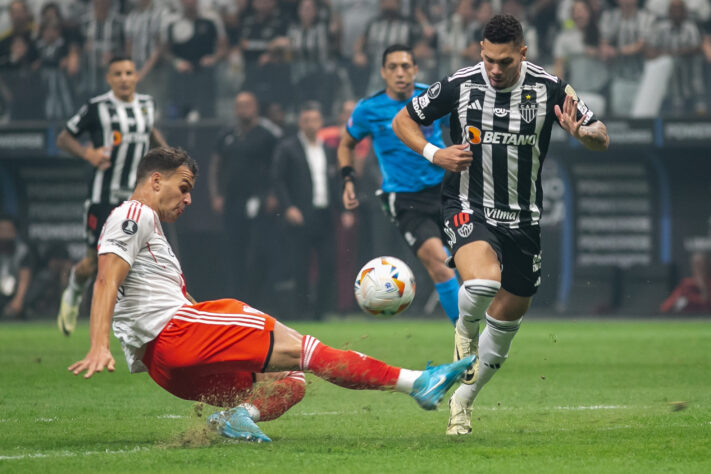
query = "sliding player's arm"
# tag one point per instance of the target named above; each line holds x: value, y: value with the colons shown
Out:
x: 112, y: 272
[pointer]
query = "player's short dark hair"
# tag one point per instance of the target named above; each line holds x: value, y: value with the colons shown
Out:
x: 117, y: 58
x: 503, y: 29
x: 394, y: 48
x: 164, y: 159
x: 311, y: 106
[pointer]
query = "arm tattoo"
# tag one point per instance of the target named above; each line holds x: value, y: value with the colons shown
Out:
x: 595, y: 137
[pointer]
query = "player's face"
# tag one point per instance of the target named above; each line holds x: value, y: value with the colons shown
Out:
x: 122, y: 79
x: 502, y: 62
x: 399, y: 73
x: 175, y: 193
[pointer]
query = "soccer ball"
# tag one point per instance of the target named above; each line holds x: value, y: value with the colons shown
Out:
x: 384, y: 287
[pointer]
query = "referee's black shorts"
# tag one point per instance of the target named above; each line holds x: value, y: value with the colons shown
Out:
x: 418, y: 215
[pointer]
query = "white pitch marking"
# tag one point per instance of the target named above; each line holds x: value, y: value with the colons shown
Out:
x: 171, y: 417
x: 68, y: 454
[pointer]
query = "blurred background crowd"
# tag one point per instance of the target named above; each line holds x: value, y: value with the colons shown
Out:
x: 241, y: 84
x: 626, y: 57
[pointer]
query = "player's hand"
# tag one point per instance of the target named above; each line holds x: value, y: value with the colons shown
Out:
x: 350, y: 201
x: 455, y: 158
x: 568, y: 117
x: 95, y: 361
x: 347, y: 220
x: 293, y: 216
x: 99, y: 157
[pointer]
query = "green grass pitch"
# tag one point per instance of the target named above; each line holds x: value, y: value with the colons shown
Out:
x: 580, y: 396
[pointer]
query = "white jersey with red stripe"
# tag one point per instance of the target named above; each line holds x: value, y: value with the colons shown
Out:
x: 154, y: 288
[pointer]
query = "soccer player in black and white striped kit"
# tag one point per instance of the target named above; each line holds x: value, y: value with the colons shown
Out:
x: 502, y: 111
x: 120, y: 127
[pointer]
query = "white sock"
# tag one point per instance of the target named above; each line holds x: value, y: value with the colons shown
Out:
x: 406, y: 380
x: 494, y: 345
x: 75, y: 290
x: 252, y: 410
x: 474, y: 299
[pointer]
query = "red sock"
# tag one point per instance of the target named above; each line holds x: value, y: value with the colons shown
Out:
x: 273, y: 399
x: 348, y: 369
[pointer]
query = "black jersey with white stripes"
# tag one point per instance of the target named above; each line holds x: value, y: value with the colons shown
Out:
x: 124, y: 127
x: 508, y: 132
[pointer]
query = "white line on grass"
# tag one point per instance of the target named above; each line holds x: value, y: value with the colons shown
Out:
x: 69, y: 454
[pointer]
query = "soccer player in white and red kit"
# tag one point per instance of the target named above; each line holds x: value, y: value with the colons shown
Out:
x: 209, y: 351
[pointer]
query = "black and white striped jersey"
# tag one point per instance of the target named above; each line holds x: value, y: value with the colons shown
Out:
x: 126, y: 127
x: 508, y: 131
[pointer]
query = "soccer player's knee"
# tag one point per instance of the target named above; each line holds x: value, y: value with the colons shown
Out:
x: 475, y: 296
x: 86, y: 268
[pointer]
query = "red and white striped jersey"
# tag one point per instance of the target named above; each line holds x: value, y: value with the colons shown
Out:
x: 154, y: 288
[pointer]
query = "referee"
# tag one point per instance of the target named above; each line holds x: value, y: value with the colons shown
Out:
x: 119, y: 124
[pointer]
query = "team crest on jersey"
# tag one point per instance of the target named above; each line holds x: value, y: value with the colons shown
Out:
x: 473, y: 135
x: 528, y: 108
x: 129, y: 227
x: 434, y: 90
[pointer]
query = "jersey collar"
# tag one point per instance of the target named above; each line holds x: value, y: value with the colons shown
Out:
x: 113, y: 97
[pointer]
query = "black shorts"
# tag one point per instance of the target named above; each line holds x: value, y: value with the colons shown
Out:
x: 96, y: 215
x: 417, y: 215
x: 519, y: 250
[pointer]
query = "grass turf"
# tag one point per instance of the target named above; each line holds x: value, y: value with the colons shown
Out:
x: 582, y: 396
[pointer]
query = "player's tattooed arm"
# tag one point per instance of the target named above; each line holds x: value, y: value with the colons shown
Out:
x: 593, y: 136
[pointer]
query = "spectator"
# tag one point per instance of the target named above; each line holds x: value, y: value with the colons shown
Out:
x: 698, y: 10
x: 15, y: 270
x: 530, y: 34
x: 102, y: 31
x: 454, y: 38
x: 542, y: 18
x: 693, y: 294
x: 623, y: 31
x: 314, y: 67
x: 577, y: 57
x: 238, y: 177
x: 59, y: 62
x: 305, y: 173
x: 389, y: 27
x: 350, y: 19
x: 680, y: 38
x: 19, y: 60
x: 264, y: 43
x: 195, y: 43
x: 484, y: 12
x: 144, y: 26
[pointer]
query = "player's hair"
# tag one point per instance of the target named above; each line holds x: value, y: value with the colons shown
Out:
x: 118, y: 58
x: 164, y: 159
x: 394, y: 48
x: 310, y: 106
x: 503, y: 29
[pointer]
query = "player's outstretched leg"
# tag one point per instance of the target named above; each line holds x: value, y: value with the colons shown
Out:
x: 474, y: 298
x: 494, y: 346
x: 267, y: 400
x: 358, y: 371
x: 71, y: 297
x: 236, y: 423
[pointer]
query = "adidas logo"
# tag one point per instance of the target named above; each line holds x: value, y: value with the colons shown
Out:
x: 476, y: 105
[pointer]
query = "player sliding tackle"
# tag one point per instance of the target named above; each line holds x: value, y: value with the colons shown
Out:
x: 209, y: 351
x: 502, y: 111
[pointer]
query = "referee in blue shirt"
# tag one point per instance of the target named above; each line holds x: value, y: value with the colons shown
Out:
x: 411, y: 184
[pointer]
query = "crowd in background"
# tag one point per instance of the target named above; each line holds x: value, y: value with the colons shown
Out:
x: 279, y: 72
x: 626, y: 57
